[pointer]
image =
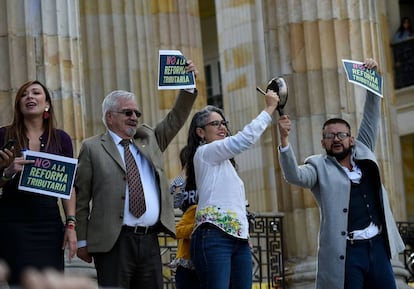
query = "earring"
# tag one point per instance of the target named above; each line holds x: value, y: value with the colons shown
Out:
x: 202, y: 141
x: 46, y: 113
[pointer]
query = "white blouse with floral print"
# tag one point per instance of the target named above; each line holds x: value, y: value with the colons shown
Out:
x: 222, y: 200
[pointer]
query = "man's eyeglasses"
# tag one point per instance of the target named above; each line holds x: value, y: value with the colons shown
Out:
x: 217, y: 123
x: 129, y: 112
x: 341, y: 135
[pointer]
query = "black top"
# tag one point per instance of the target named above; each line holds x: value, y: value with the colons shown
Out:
x: 22, y: 205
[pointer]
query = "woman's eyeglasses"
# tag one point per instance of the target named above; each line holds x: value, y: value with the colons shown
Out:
x: 129, y: 112
x: 341, y: 135
x: 217, y: 123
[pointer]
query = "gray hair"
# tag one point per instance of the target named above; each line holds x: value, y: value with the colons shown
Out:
x: 201, y: 117
x: 111, y: 102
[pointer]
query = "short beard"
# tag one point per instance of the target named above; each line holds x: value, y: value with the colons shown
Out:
x: 339, y: 156
x: 131, y: 132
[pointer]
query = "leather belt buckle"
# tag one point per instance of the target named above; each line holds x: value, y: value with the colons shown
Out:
x: 141, y: 230
x: 351, y: 237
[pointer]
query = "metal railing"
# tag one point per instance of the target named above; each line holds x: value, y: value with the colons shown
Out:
x: 406, y: 230
x: 266, y: 233
x: 266, y: 237
x: 403, y: 63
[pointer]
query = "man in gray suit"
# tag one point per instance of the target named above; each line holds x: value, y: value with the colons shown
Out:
x: 124, y: 246
x: 358, y: 234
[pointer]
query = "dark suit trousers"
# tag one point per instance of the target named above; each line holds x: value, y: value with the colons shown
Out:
x: 367, y: 265
x: 133, y: 262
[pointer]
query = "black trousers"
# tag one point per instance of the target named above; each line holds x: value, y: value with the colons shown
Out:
x: 35, y: 244
x: 133, y: 262
x: 368, y: 266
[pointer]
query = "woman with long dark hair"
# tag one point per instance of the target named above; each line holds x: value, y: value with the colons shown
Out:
x: 219, y: 244
x: 405, y: 30
x: 33, y: 234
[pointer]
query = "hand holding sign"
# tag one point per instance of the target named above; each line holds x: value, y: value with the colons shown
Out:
x: 48, y: 174
x: 15, y: 167
x: 364, y: 74
x: 174, y: 71
x: 191, y: 68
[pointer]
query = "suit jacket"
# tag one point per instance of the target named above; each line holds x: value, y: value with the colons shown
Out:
x: 101, y: 178
x: 331, y: 187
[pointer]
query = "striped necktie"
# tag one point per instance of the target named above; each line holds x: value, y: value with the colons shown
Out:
x: 136, y: 192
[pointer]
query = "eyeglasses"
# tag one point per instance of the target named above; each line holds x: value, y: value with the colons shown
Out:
x: 341, y: 135
x: 129, y: 112
x: 217, y: 123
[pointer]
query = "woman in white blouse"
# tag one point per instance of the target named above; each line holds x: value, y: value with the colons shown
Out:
x: 219, y: 244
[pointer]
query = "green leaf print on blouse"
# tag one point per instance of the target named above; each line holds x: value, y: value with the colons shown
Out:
x: 227, y: 221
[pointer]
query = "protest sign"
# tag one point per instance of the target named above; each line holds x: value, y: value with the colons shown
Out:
x: 171, y: 71
x: 357, y: 73
x: 50, y: 174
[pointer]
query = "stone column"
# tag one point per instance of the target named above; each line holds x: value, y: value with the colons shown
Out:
x: 121, y: 40
x: 40, y: 40
x: 176, y: 25
x: 244, y: 63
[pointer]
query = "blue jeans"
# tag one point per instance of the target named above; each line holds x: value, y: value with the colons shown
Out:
x: 368, y: 266
x: 221, y: 260
x: 186, y: 278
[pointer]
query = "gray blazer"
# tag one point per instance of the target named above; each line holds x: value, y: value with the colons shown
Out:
x: 330, y: 185
x: 101, y: 182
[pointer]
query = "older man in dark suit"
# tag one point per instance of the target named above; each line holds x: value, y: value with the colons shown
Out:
x: 120, y: 237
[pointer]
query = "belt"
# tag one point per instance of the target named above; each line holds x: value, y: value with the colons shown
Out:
x: 359, y: 241
x: 140, y: 230
x: 208, y: 225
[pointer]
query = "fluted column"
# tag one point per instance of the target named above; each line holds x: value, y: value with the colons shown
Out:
x: 121, y: 40
x: 295, y: 50
x: 308, y: 39
x: 40, y: 40
x: 243, y: 66
x: 176, y: 25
